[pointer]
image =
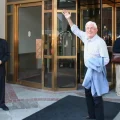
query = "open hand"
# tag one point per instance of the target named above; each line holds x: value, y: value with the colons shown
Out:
x: 66, y: 14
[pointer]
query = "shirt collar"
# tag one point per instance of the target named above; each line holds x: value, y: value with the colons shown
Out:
x: 92, y: 39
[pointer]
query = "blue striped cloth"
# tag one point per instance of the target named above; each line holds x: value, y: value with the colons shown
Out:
x: 95, y: 77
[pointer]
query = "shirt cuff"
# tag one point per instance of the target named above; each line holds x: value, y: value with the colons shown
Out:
x: 106, y: 61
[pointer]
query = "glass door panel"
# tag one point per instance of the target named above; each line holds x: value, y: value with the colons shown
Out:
x: 91, y: 14
x: 47, y: 4
x: 107, y: 35
x: 10, y: 67
x: 30, y: 30
x: 107, y: 25
x: 66, y: 43
x: 48, y: 33
x: 118, y: 21
x: 66, y: 4
x: 66, y: 73
x: 66, y: 52
x: 47, y: 73
x: 48, y: 50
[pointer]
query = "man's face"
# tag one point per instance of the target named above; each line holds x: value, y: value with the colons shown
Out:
x: 91, y: 31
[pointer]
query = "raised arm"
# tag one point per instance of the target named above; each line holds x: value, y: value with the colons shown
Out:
x: 68, y: 17
x: 74, y: 28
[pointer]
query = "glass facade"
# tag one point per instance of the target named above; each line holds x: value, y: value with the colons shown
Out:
x: 48, y: 48
x: 66, y: 43
x: 107, y: 36
x: 29, y: 31
x: 10, y: 67
x: 107, y: 25
x: 10, y: 9
x: 61, y: 65
x: 48, y: 5
x: 66, y: 4
x: 48, y: 33
x: 48, y: 73
x: 118, y: 22
x: 66, y: 73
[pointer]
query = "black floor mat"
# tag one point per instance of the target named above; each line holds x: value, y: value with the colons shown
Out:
x: 72, y: 108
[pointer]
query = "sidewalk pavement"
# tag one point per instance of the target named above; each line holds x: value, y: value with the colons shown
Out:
x: 24, y: 101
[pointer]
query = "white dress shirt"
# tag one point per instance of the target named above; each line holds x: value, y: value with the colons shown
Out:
x: 92, y: 47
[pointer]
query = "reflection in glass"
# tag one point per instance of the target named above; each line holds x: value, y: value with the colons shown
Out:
x: 109, y: 68
x: 48, y: 73
x: 92, y: 14
x: 109, y: 2
x: 107, y: 36
x: 66, y: 41
x: 10, y: 67
x: 89, y: 2
x: 118, y: 21
x: 9, y: 9
x: 48, y: 5
x: 66, y: 4
x: 48, y: 34
x: 66, y: 73
x: 30, y: 67
x: 10, y: 33
x: 107, y: 25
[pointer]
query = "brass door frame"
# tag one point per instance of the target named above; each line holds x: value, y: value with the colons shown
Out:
x: 54, y: 38
x: 22, y: 2
x: 64, y: 57
x: 68, y: 57
x: 47, y: 56
x: 16, y: 27
x: 54, y: 56
x: 54, y: 11
x: 111, y: 84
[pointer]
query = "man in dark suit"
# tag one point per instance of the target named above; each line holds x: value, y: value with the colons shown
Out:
x: 116, y: 46
x: 4, y: 55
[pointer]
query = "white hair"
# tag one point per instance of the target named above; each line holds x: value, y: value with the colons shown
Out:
x: 90, y: 22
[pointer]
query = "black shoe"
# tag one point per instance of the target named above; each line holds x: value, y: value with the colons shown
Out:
x: 4, y: 107
x: 88, y: 117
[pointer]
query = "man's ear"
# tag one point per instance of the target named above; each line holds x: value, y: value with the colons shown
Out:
x: 97, y: 30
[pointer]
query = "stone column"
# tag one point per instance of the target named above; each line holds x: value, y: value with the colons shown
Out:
x: 2, y: 18
x: 118, y: 79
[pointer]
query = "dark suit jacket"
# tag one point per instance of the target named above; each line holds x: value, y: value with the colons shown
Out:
x: 4, y: 55
x: 116, y: 46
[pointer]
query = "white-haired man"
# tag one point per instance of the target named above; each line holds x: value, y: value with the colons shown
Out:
x: 95, y: 58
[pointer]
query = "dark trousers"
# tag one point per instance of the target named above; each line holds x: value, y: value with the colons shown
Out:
x: 94, y: 105
x: 2, y: 90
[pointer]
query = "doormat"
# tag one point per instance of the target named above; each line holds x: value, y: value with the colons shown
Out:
x: 72, y: 108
